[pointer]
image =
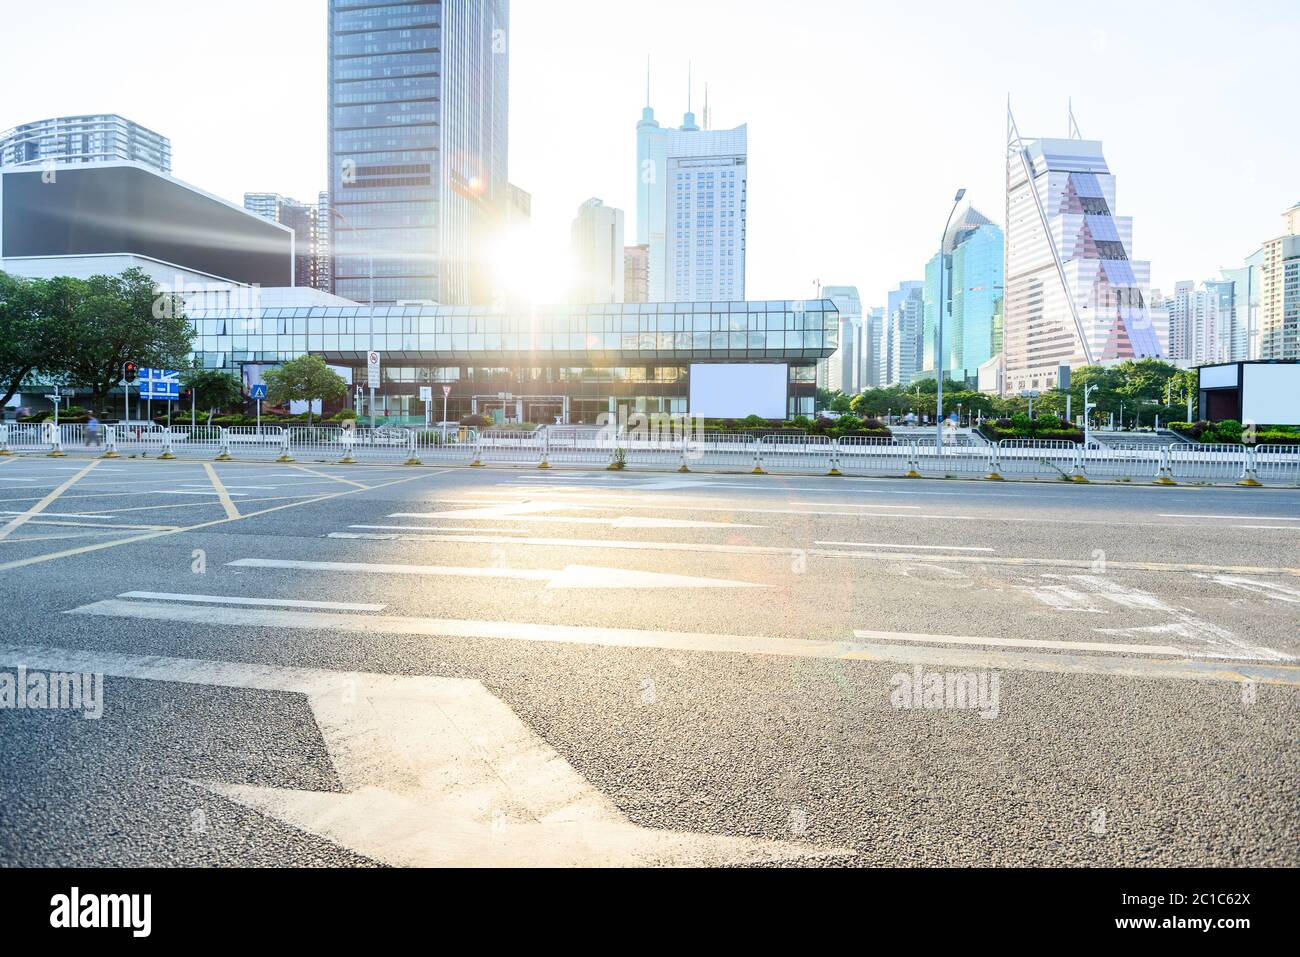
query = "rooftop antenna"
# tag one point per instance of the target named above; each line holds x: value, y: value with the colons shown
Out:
x: 689, y: 67
x: 1075, y: 134
x: 647, y: 79
x: 707, y: 124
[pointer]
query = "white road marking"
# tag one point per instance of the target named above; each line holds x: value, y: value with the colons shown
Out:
x: 181, y: 492
x: 927, y: 548
x: 258, y: 602
x: 623, y: 521
x: 857, y: 555
x: 572, y: 576
x: 1030, y: 643
x: 435, y: 771
x: 588, y: 505
x: 1253, y: 518
x: 63, y: 515
x: 1199, y: 667
x: 1268, y: 589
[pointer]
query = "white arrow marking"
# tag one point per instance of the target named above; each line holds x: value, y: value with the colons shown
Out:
x: 574, y: 576
x: 437, y: 772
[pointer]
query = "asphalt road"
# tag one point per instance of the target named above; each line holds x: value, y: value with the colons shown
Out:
x: 363, y: 665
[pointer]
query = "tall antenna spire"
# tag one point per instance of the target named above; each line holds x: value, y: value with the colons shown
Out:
x: 689, y: 66
x: 647, y: 80
x: 1075, y: 133
x: 706, y: 106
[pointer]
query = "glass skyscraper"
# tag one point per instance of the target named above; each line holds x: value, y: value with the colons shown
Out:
x: 1074, y: 293
x: 418, y: 146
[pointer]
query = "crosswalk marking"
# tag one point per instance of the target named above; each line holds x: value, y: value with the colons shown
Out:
x: 572, y: 576
x: 1203, y: 668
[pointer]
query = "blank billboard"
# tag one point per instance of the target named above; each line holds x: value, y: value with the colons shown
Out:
x: 1271, y: 394
x: 737, y: 390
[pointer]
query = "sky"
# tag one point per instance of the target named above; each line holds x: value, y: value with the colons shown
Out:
x: 864, y: 117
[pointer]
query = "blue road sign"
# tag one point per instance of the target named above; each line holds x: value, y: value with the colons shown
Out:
x: 160, y: 384
x: 258, y: 393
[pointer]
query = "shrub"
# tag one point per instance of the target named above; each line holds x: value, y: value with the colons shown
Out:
x: 476, y: 421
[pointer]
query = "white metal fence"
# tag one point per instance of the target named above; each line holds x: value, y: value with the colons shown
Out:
x: 596, y: 448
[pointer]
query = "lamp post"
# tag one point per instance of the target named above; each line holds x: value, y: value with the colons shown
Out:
x: 1088, y: 406
x: 938, y: 345
x: 371, y: 256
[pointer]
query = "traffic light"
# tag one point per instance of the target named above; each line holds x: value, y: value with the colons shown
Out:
x: 187, y: 396
x: 129, y: 372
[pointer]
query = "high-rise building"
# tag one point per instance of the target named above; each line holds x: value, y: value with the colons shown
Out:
x: 842, y: 372
x: 324, y: 255
x: 418, y: 147
x: 691, y: 209
x: 598, y: 252
x: 1074, y: 293
x: 873, y: 323
x: 1279, y: 314
x: 303, y: 219
x: 1207, y: 325
x: 903, y: 353
x: 1247, y: 296
x: 887, y: 348
x: 636, y: 274
x: 97, y: 138
x: 973, y: 252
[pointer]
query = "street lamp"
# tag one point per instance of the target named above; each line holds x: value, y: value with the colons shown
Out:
x: 371, y: 348
x: 938, y: 346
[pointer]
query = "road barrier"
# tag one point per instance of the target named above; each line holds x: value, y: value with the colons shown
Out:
x: 581, y: 447
x: 1208, y: 463
x: 1124, y: 461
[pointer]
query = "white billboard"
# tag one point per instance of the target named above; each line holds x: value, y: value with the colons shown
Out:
x: 1271, y: 394
x: 737, y: 390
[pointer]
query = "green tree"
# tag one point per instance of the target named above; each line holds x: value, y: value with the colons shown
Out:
x: 22, y: 325
x: 106, y: 321
x: 305, y: 379
x: 214, y: 389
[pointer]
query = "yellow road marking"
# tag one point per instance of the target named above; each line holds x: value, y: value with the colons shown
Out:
x: 135, y: 539
x: 332, y: 478
x: 226, y: 503
x: 46, y: 502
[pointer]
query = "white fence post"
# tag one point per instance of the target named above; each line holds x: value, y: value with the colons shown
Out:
x: 348, y: 439
x: 110, y: 442
x: 995, y: 463
x: 4, y: 441
x: 1250, y: 474
x: 167, y: 452
x: 1166, y: 476
x: 1080, y: 472
x: 286, y: 454
x: 913, y: 461
x: 835, y: 460
x: 411, y: 442
x: 758, y: 457
x: 224, y: 454
x: 546, y: 449
x: 55, y: 436
x: 686, y: 446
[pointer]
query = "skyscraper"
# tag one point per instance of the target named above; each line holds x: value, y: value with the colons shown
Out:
x: 902, y: 352
x: 1074, y: 293
x: 1207, y: 325
x: 972, y: 280
x: 636, y: 274
x: 303, y: 219
x: 691, y: 209
x: 843, y: 371
x: 418, y: 146
x: 97, y: 138
x: 1279, y: 317
x: 598, y: 253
